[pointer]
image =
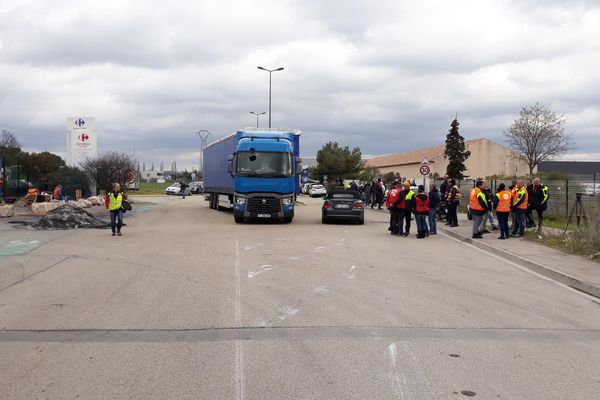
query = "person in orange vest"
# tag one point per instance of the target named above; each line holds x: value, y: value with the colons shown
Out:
x: 392, y: 204
x: 478, y: 207
x: 520, y: 205
x: 421, y: 210
x: 502, y: 202
x: 57, y: 194
x: 513, y: 192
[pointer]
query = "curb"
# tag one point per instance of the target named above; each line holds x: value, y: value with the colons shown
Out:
x: 548, y: 272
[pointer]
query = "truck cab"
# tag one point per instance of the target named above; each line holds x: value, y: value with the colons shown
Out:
x: 264, y: 169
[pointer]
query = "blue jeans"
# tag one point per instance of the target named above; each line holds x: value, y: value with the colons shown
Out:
x: 521, y: 220
x: 421, y: 224
x: 432, y: 219
x: 116, y: 220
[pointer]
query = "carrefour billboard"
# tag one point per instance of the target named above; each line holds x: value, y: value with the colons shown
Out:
x: 81, y: 139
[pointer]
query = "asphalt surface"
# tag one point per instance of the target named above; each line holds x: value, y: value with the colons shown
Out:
x: 189, y: 305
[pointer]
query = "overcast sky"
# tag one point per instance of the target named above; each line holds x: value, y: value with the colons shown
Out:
x: 387, y: 76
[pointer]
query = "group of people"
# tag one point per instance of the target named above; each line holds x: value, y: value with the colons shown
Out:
x: 402, y: 202
x: 516, y: 202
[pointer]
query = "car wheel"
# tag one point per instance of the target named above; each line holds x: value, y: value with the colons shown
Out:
x: 361, y: 221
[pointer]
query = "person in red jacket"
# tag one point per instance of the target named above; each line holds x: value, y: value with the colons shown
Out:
x: 391, y: 204
x: 421, y: 210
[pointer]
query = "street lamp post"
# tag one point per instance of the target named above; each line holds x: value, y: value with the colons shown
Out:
x: 270, y: 71
x: 257, y: 114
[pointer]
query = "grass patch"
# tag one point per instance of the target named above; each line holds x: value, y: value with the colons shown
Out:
x: 151, y: 188
x: 584, y: 241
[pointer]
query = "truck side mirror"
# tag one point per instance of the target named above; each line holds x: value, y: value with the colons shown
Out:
x: 298, y: 166
x: 230, y: 164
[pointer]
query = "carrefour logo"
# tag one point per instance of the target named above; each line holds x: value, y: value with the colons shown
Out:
x: 79, y: 122
x: 84, y: 137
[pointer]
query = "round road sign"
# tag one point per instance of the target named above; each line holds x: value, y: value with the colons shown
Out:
x: 424, y: 170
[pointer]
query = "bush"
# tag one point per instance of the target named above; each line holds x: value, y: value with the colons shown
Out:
x: 71, y: 179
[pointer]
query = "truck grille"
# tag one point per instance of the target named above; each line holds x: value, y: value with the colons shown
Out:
x: 263, y: 205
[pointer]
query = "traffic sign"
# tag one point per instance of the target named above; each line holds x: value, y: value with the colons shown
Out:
x: 424, y: 170
x: 425, y: 161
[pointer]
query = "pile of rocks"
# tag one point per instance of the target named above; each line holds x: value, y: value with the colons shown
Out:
x: 7, y: 210
x: 44, y: 208
x: 69, y: 216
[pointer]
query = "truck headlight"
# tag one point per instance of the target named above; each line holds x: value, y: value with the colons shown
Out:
x: 286, y: 201
x: 240, y: 200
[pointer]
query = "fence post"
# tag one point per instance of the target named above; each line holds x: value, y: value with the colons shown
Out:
x: 567, y: 199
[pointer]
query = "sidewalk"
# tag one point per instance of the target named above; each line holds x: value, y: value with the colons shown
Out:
x: 571, y: 270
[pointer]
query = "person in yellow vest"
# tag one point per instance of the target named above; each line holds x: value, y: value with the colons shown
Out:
x: 502, y: 202
x: 453, y: 199
x: 408, y: 203
x: 540, y: 195
x: 113, y: 202
x: 519, y: 206
x: 478, y: 207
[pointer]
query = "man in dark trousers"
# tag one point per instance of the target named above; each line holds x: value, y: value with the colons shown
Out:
x: 408, y: 206
x: 393, y: 203
x: 530, y: 207
x: 182, y: 187
x: 453, y: 203
x: 539, y: 199
x: 478, y: 207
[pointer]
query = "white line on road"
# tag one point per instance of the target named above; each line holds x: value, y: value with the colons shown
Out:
x: 397, y: 379
x: 594, y: 299
x: 262, y: 268
x: 239, y: 346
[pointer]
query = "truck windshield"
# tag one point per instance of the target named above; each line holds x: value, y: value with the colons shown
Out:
x: 264, y: 165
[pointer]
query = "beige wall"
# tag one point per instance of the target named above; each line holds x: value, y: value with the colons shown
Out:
x: 487, y: 158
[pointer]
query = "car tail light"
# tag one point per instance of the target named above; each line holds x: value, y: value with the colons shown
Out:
x: 358, y: 204
x: 327, y: 205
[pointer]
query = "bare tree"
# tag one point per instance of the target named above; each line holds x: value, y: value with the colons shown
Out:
x: 538, y: 134
x: 8, y: 140
x: 109, y: 168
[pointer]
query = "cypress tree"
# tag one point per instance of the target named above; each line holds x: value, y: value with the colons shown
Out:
x: 455, y: 152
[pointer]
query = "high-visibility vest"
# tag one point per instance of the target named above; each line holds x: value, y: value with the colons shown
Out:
x: 545, y: 193
x: 422, y: 205
x: 504, y: 201
x: 409, y: 195
x: 115, y: 203
x: 513, y: 194
x: 473, y: 199
x: 522, y: 193
x: 457, y: 196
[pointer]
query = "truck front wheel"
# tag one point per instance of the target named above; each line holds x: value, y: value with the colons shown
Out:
x: 287, y: 220
x: 238, y: 220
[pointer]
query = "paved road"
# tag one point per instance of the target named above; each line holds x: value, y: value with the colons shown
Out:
x: 188, y: 304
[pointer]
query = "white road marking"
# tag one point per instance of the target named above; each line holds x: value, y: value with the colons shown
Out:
x: 320, y: 248
x: 522, y: 268
x: 349, y: 274
x: 293, y: 258
x: 240, y: 393
x: 262, y: 268
x: 252, y: 246
x: 397, y: 379
x: 321, y: 289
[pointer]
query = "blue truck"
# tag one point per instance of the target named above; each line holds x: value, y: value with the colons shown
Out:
x: 255, y: 173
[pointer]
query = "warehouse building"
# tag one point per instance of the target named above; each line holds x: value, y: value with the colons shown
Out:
x: 487, y: 158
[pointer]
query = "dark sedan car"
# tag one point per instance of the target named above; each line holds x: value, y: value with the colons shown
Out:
x: 343, y: 205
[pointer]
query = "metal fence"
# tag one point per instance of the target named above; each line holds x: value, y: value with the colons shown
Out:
x: 563, y: 194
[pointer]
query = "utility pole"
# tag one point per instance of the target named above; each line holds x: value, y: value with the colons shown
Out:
x: 203, y: 134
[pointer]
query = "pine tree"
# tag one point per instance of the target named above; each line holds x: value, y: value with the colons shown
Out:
x: 455, y: 152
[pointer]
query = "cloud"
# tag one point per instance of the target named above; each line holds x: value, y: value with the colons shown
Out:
x: 386, y: 76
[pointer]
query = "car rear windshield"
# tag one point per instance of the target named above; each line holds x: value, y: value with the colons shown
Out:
x: 345, y: 195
